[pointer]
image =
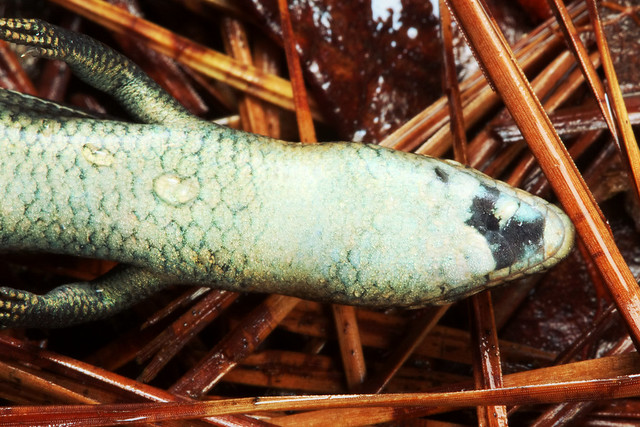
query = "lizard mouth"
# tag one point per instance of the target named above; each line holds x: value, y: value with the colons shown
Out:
x: 559, y: 234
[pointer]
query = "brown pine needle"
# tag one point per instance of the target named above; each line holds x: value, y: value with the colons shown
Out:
x: 207, y: 61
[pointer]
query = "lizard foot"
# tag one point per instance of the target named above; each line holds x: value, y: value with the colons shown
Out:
x: 79, y: 302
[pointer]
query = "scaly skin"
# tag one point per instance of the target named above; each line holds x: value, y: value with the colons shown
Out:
x: 182, y: 200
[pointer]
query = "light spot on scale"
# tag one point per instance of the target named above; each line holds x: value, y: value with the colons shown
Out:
x: 96, y: 155
x: 505, y: 209
x: 175, y: 190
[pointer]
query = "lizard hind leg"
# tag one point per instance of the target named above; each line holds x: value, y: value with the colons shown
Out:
x: 79, y: 302
x: 99, y: 66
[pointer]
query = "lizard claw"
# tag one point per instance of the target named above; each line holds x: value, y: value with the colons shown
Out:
x: 14, y: 304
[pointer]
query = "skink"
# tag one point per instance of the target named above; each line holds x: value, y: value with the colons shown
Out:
x: 180, y: 200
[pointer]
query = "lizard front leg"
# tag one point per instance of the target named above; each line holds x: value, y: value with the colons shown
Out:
x: 99, y: 66
x: 79, y: 302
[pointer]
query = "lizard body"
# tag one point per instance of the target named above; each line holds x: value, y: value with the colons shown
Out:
x: 178, y: 199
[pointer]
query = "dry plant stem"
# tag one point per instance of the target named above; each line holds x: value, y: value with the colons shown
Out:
x: 310, y: 378
x: 28, y: 382
x: 487, y: 370
x: 507, y: 77
x: 209, y: 62
x: 225, y: 6
x: 542, y: 187
x: 105, y: 414
x: 483, y: 146
x: 486, y: 360
x: 86, y: 373
x: 353, y: 417
x: 330, y: 383
x: 451, y: 87
x: 265, y: 57
x: 618, y: 124
x: 630, y: 11
x: 214, y: 300
x: 573, y: 81
x: 619, y: 411
x: 630, y: 150
x: 590, y: 369
x: 286, y: 381
x: 573, y: 39
x: 432, y: 124
x: 601, y: 324
x: 115, y: 354
x: 475, y: 107
x: 278, y: 376
x: 189, y: 296
x: 562, y: 93
x: 475, y: 91
x: 565, y: 414
x: 577, y: 411
x: 602, y: 295
x: 232, y: 121
x: 503, y: 160
x: 171, y: 340
x: 420, y: 327
x: 220, y: 92
x: 237, y: 46
x: 510, y: 301
x: 574, y: 121
x: 587, y: 370
x: 235, y: 346
x: 565, y: 90
x: 303, y: 114
x: 289, y: 370
x: 14, y: 76
x: 380, y: 330
x: 350, y: 345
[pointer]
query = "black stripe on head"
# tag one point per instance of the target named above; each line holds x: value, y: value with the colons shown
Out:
x: 516, y: 239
